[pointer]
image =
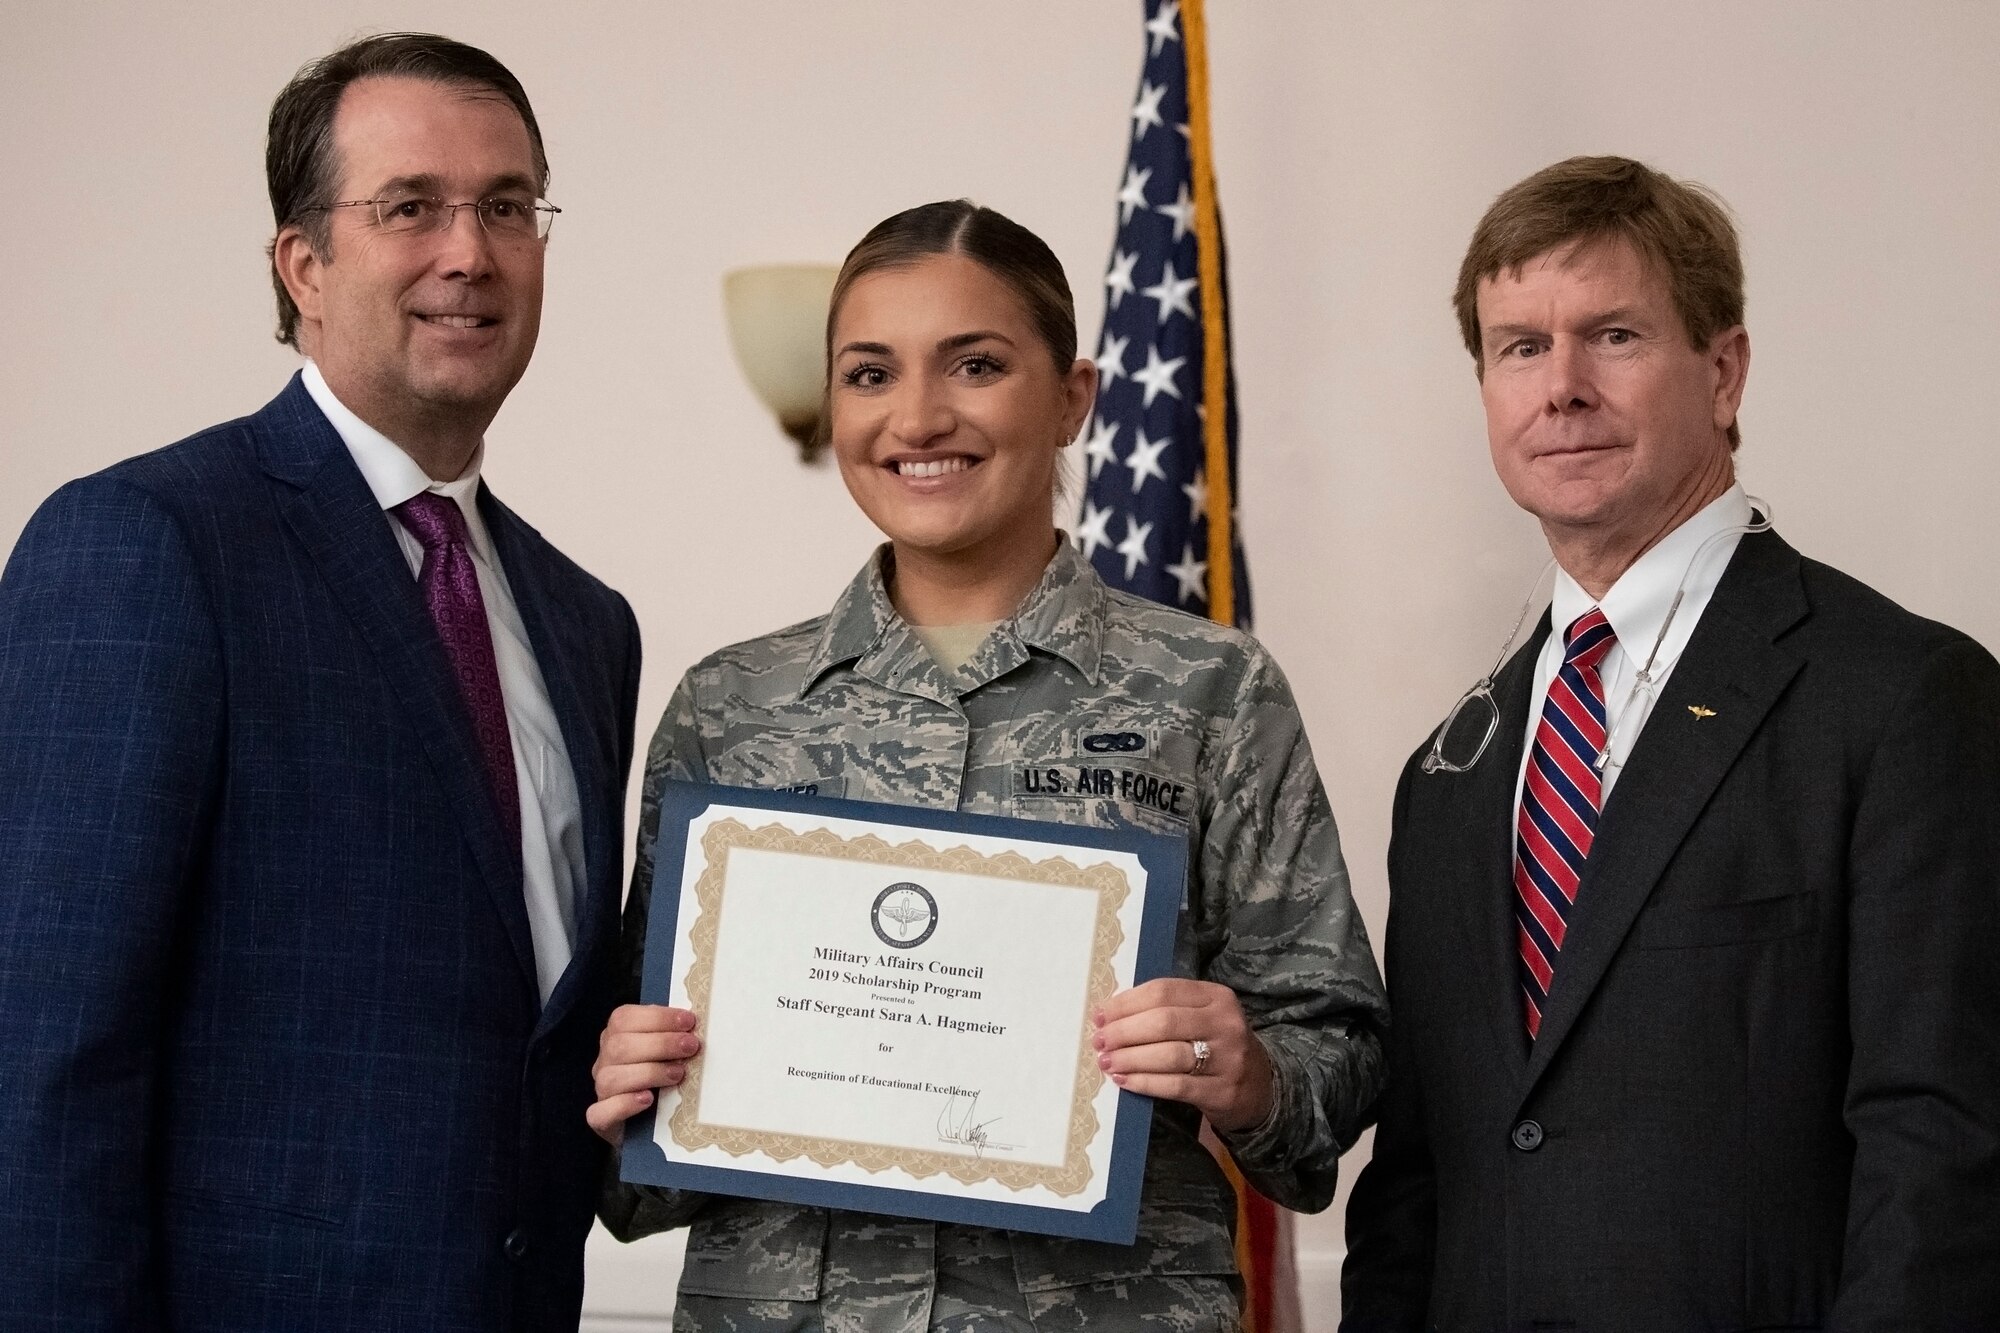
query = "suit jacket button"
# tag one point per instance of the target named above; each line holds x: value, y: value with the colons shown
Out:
x: 1527, y: 1136
x: 515, y: 1247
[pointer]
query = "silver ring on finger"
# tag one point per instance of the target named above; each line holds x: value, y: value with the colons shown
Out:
x: 1201, y: 1054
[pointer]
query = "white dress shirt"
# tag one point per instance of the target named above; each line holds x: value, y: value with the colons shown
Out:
x: 551, y: 814
x: 1637, y: 605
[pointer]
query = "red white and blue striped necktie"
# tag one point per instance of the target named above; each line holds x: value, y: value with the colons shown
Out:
x: 1560, y: 797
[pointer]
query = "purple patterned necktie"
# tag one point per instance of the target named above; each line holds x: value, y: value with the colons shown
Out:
x: 450, y: 585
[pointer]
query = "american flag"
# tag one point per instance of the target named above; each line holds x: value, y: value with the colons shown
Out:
x: 1151, y: 492
x: 1159, y: 516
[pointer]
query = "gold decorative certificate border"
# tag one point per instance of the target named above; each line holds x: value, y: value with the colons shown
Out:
x: 1108, y: 882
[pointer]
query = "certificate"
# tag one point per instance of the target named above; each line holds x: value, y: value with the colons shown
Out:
x: 895, y: 1006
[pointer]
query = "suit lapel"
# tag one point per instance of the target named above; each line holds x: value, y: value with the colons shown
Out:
x: 1494, y: 780
x: 335, y: 518
x: 561, y: 640
x: 1732, y: 670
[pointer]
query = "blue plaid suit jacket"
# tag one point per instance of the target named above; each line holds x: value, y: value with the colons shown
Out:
x: 272, y: 1054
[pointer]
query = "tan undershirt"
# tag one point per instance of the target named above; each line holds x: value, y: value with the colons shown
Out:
x: 954, y: 645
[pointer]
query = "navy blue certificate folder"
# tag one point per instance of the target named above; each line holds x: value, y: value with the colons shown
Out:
x: 1115, y: 1217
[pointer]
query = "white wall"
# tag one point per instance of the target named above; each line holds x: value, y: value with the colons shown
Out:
x: 1357, y: 143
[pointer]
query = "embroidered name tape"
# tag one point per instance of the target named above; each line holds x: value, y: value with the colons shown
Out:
x: 1124, y: 783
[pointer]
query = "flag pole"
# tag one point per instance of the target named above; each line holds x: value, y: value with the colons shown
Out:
x: 1257, y: 1227
x: 1214, y: 322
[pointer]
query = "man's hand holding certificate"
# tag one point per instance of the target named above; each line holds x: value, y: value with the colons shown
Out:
x: 894, y: 1008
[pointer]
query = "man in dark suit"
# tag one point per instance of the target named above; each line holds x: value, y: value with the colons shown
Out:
x: 1691, y: 961
x: 312, y: 761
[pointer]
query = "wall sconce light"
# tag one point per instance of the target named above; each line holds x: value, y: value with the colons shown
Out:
x: 777, y: 326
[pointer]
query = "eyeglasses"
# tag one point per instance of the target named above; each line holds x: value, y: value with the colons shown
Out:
x: 1467, y: 731
x: 505, y: 217
x: 1468, y: 728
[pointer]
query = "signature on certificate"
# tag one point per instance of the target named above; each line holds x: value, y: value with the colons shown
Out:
x: 958, y: 1123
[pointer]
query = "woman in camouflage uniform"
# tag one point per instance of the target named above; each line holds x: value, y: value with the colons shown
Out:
x: 976, y: 654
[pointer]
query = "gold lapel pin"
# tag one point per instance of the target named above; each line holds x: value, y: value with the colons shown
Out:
x: 1700, y: 712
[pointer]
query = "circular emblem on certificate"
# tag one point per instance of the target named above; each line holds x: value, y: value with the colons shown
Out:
x: 904, y: 915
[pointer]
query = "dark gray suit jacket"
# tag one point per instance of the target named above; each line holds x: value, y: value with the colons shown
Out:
x: 1767, y: 1088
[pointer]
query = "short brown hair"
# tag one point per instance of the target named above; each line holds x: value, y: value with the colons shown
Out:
x: 1679, y: 228
x: 299, y: 166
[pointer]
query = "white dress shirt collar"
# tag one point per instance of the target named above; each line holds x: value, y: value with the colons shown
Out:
x: 392, y: 475
x: 1638, y: 603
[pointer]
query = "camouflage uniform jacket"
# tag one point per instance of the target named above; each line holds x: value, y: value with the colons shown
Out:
x: 852, y: 704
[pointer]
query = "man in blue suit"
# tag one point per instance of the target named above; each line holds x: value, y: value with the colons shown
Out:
x: 312, y: 760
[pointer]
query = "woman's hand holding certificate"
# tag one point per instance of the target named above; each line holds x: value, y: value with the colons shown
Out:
x: 644, y: 1047
x: 887, y: 1009
x: 1187, y: 1041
